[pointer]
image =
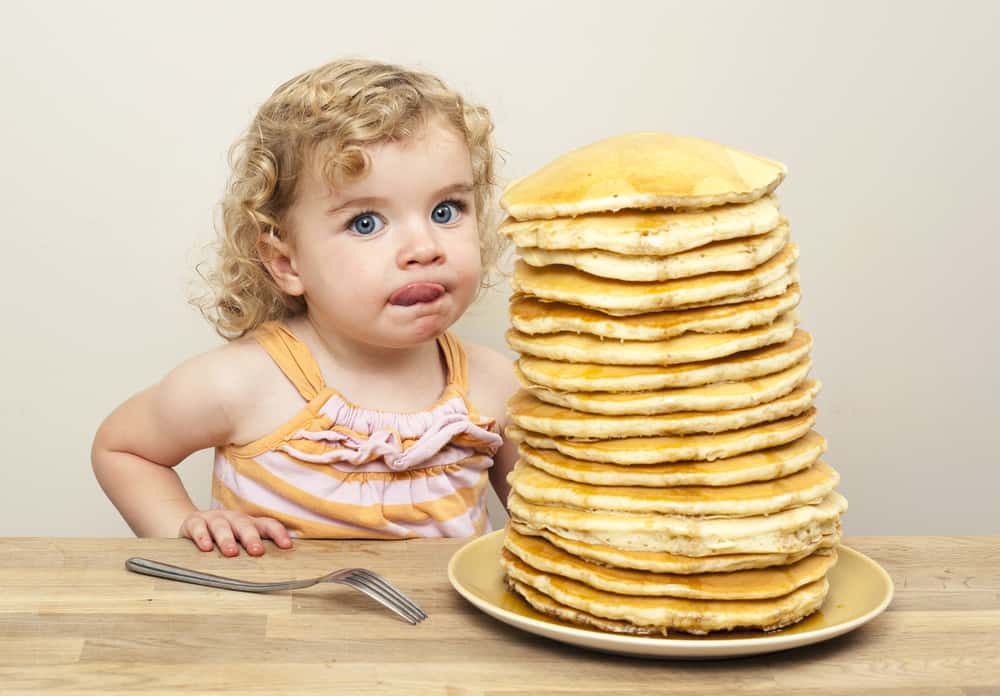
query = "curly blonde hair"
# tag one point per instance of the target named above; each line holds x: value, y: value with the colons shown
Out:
x: 334, y: 111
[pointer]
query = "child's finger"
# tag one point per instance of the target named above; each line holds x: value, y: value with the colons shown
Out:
x: 274, y: 530
x: 222, y: 532
x: 246, y: 532
x: 196, y: 530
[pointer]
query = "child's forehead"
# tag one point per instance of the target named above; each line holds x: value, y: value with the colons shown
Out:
x: 436, y: 155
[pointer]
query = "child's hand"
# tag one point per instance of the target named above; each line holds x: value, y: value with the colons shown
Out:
x: 226, y: 527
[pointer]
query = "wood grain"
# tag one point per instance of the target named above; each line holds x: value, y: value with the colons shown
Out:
x: 74, y: 621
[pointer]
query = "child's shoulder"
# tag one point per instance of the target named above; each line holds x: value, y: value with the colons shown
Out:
x: 484, y: 358
x: 491, y: 380
x: 231, y: 370
x: 236, y: 377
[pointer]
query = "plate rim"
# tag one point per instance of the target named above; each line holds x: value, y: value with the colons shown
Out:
x: 665, y: 646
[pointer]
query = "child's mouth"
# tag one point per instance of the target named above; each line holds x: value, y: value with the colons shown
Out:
x: 415, y: 293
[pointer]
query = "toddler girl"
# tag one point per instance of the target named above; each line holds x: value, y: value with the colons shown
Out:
x: 354, y: 234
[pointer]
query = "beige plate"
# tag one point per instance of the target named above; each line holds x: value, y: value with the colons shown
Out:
x: 860, y: 590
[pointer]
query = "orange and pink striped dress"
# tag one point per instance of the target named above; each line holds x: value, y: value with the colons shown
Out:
x: 336, y: 470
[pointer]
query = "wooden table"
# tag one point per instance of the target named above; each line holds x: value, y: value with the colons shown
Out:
x: 73, y: 620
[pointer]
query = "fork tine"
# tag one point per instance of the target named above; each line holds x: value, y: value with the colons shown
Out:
x: 408, y: 607
x: 391, y: 589
x: 385, y: 601
x: 360, y: 575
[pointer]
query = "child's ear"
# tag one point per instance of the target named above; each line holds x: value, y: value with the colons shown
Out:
x: 276, y: 254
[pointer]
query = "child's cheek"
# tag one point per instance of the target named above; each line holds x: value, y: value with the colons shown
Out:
x: 472, y: 270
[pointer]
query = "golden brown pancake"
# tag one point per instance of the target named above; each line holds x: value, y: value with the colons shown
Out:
x: 581, y: 377
x: 657, y: 615
x: 529, y: 413
x: 532, y: 316
x: 763, y: 583
x: 656, y: 232
x: 788, y: 531
x: 720, y: 396
x: 774, y: 289
x: 661, y: 449
x: 804, y: 487
x: 642, y: 170
x: 682, y: 349
x: 663, y: 562
x: 739, y: 254
x: 623, y: 297
x: 762, y: 465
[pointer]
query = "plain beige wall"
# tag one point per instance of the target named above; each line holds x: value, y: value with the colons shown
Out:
x: 117, y: 116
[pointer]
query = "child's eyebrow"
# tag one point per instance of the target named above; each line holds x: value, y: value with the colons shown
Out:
x: 460, y: 187
x: 373, y: 201
x: 367, y: 202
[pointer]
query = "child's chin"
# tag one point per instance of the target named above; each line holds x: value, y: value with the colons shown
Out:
x: 427, y: 328
x: 415, y: 331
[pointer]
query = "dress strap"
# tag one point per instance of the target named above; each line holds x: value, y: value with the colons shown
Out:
x: 456, y: 361
x: 293, y: 358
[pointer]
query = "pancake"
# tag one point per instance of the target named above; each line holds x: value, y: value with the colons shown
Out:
x: 642, y: 170
x: 638, y: 451
x: 804, y: 487
x: 788, y: 531
x: 778, y: 287
x: 609, y: 611
x: 529, y: 413
x: 765, y: 583
x: 739, y: 254
x: 531, y: 316
x: 566, y: 284
x: 681, y: 349
x: 662, y: 562
x: 653, y: 232
x: 754, y: 466
x: 589, y: 376
x: 710, y: 397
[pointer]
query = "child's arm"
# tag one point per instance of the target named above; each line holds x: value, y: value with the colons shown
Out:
x: 492, y: 383
x: 503, y: 464
x: 137, y: 446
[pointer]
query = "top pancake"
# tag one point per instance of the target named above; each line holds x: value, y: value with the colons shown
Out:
x: 642, y: 170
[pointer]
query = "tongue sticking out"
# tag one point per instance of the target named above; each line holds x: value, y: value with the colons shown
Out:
x: 416, y: 292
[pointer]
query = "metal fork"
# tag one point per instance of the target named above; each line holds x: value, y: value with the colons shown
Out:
x: 372, y: 584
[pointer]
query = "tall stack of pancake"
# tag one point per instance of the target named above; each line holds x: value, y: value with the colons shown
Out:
x: 668, y: 478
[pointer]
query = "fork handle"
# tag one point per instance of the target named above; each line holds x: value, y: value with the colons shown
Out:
x: 157, y: 569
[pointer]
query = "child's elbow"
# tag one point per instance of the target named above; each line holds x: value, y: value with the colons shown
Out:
x: 109, y: 440
x: 100, y: 447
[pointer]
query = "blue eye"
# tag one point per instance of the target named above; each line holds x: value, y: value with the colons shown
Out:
x: 366, y: 224
x: 446, y: 212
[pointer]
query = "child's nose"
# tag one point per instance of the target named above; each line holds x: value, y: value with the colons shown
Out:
x: 421, y: 247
